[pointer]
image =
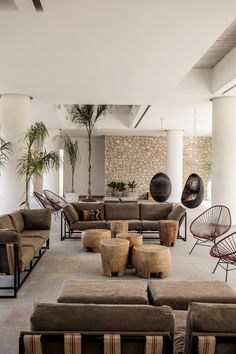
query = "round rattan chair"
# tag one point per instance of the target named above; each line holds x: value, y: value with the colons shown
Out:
x: 44, y: 202
x: 54, y: 198
x: 160, y: 187
x: 209, y: 225
x: 193, y: 191
x: 225, y: 250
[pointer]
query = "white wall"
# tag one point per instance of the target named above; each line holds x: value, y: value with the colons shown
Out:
x: 81, y: 174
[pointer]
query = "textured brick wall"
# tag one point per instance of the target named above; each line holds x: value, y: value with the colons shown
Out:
x: 138, y: 158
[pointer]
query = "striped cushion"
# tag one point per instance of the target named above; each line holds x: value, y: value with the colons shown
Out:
x: 154, y: 345
x: 112, y: 344
x: 32, y: 344
x: 72, y: 343
x: 206, y: 344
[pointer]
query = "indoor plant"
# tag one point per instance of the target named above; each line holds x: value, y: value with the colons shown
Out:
x: 86, y: 116
x: 120, y: 188
x: 5, y: 149
x: 72, y: 157
x: 112, y: 186
x: 131, y: 187
x: 33, y: 163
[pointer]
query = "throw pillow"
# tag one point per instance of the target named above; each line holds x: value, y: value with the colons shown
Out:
x: 92, y: 215
x: 71, y: 213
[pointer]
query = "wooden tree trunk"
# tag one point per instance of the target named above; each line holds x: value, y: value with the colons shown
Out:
x: 89, y: 165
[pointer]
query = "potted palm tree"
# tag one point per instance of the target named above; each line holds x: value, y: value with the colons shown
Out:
x: 86, y: 116
x: 5, y: 150
x: 72, y: 156
x: 34, y: 163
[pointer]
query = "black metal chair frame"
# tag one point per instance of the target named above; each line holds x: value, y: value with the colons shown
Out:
x: 19, y: 277
x: 223, y: 262
x: 207, y: 242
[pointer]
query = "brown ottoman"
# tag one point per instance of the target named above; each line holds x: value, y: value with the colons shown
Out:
x: 114, y: 253
x: 103, y: 292
x: 118, y: 226
x: 134, y: 240
x: 168, y: 231
x: 150, y: 259
x: 92, y: 239
x: 178, y: 294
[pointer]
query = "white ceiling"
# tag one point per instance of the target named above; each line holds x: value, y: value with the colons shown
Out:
x: 115, y: 52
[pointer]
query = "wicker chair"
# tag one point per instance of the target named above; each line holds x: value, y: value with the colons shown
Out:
x: 46, y: 203
x: 54, y: 198
x: 225, y: 250
x: 214, y: 222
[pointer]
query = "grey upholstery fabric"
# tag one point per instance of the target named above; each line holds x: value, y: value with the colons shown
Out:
x: 121, y: 211
x: 8, y: 237
x: 176, y: 213
x: 155, y: 211
x: 132, y: 225
x: 44, y: 234
x: 71, y: 213
x: 180, y: 330
x: 36, y: 219
x: 92, y: 317
x: 210, y: 318
x: 178, y: 294
x: 88, y: 206
x: 6, y: 223
x: 17, y: 221
x: 103, y: 292
x: 84, y: 225
x: 34, y: 241
x: 150, y: 225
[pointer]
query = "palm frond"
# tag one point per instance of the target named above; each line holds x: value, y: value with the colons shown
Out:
x: 5, y: 150
x: 36, y: 133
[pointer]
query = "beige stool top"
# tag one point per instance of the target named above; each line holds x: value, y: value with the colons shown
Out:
x: 151, y: 248
x: 133, y: 238
x: 113, y: 242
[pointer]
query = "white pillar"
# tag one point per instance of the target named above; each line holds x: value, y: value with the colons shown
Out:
x: 15, y: 120
x: 223, y: 153
x: 174, y: 162
x: 51, y: 179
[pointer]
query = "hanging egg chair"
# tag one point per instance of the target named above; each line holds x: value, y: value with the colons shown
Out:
x: 193, y: 191
x: 160, y: 187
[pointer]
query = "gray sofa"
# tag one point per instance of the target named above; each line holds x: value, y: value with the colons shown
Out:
x: 142, y: 217
x: 24, y: 237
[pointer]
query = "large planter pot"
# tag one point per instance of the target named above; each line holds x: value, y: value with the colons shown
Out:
x: 133, y: 194
x: 72, y: 197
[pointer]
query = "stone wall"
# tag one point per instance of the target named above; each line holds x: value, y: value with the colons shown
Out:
x: 138, y: 158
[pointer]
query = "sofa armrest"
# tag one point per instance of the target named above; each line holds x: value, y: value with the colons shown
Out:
x: 177, y: 213
x: 9, y: 236
x: 36, y: 219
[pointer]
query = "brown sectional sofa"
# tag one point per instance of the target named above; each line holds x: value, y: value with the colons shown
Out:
x: 24, y: 237
x: 142, y: 217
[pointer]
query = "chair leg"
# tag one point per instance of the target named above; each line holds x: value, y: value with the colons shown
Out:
x: 193, y: 247
x: 216, y: 266
x: 227, y: 269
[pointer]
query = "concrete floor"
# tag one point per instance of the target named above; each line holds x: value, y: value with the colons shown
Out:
x: 67, y: 260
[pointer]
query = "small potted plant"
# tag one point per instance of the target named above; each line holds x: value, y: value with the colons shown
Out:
x: 112, y: 186
x: 131, y: 189
x: 120, y: 188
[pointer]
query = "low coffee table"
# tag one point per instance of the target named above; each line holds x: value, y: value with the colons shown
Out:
x: 151, y: 259
x: 134, y: 239
x: 114, y: 253
x: 92, y: 239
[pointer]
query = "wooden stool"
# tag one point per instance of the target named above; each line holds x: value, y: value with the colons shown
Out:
x: 92, y: 239
x: 114, y: 253
x: 118, y: 226
x: 149, y: 259
x: 168, y: 231
x: 134, y: 240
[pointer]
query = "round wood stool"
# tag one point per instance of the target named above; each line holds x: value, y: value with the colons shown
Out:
x: 92, y: 239
x: 149, y: 259
x: 168, y: 231
x: 114, y: 253
x: 118, y: 226
x: 134, y: 239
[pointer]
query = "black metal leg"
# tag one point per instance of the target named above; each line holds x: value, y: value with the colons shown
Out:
x: 193, y: 247
x: 216, y: 266
x: 227, y: 269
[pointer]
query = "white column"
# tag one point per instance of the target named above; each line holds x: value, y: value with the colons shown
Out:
x: 15, y: 120
x: 51, y: 179
x: 224, y: 153
x: 174, y: 162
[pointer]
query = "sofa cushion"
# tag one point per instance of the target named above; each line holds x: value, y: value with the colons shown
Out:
x: 35, y: 242
x: 6, y: 223
x: 83, y: 225
x: 210, y: 318
x: 36, y: 219
x: 71, y: 213
x: 88, y: 206
x: 91, y: 215
x: 44, y: 234
x: 180, y: 330
x: 121, y: 211
x: 176, y: 213
x: 102, y: 318
x: 155, y: 211
x: 150, y: 225
x: 178, y: 294
x: 27, y: 255
x: 103, y: 292
x: 17, y: 221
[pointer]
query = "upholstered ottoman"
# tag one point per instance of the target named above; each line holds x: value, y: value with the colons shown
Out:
x: 151, y: 259
x: 92, y: 239
x: 168, y: 232
x: 178, y: 294
x: 103, y: 292
x: 114, y: 253
x: 134, y: 240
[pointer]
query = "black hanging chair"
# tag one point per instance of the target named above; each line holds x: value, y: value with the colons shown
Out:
x: 160, y: 187
x: 193, y: 192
